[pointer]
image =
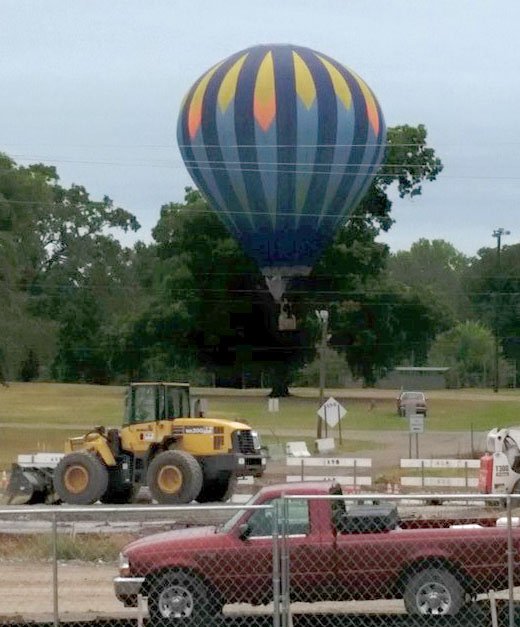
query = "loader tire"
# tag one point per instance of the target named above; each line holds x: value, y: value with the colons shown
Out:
x: 80, y: 479
x: 219, y: 489
x: 174, y: 478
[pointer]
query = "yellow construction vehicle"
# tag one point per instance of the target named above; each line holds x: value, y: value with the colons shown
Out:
x: 165, y: 443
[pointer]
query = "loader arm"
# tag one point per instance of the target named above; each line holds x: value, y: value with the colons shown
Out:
x: 93, y: 442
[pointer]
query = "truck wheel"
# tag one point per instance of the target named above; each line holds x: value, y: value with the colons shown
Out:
x: 177, y: 598
x: 219, y: 489
x: 433, y: 591
x: 174, y: 478
x: 80, y: 478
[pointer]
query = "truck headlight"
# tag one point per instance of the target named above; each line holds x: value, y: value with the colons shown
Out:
x: 256, y: 440
x: 124, y: 565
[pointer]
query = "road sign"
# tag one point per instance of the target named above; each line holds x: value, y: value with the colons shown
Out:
x: 416, y: 423
x: 332, y: 412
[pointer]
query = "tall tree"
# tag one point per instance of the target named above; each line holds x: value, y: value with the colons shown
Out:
x: 55, y: 242
x: 492, y: 284
x: 468, y: 350
x: 438, y: 266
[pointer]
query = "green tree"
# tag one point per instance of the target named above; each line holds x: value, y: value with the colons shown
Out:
x: 210, y: 307
x: 56, y: 242
x: 468, y: 350
x: 385, y: 325
x: 492, y: 284
x: 436, y: 265
x: 409, y: 160
x: 81, y: 351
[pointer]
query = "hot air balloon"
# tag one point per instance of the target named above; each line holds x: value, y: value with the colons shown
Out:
x: 283, y: 142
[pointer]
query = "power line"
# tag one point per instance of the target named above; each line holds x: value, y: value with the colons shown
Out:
x: 299, y: 292
x: 274, y: 170
x: 217, y: 163
x: 175, y: 144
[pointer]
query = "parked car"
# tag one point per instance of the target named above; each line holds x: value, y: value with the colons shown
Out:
x: 416, y: 400
x: 336, y: 552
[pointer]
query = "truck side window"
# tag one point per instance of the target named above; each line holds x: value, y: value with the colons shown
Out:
x: 261, y: 523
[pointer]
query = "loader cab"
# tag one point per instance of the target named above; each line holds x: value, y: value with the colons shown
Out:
x: 150, y: 402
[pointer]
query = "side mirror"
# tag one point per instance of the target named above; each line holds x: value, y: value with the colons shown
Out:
x: 244, y: 531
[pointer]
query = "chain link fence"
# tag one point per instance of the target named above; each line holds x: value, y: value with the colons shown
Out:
x: 323, y: 559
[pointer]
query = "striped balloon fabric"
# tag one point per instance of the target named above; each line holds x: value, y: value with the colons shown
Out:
x: 283, y: 142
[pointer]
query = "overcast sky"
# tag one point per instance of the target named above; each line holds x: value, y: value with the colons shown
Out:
x: 94, y: 87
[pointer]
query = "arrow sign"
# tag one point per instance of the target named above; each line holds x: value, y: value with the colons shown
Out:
x: 332, y: 412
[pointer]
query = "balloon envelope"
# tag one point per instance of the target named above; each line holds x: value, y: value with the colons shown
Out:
x: 283, y: 141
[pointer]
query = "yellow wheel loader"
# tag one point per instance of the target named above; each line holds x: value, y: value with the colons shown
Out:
x: 165, y: 443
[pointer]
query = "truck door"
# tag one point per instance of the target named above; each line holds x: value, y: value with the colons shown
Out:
x: 310, y: 546
x: 249, y: 564
x: 310, y: 566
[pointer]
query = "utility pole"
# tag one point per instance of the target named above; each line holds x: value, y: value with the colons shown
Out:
x: 498, y: 234
x: 323, y: 317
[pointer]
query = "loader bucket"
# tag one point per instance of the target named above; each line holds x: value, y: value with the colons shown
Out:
x: 26, y: 487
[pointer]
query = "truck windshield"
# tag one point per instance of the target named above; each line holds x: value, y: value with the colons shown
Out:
x: 227, y: 526
x: 145, y: 400
x: 148, y: 403
x: 260, y: 521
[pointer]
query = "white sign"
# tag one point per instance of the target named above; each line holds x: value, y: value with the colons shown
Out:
x: 441, y: 463
x: 332, y: 412
x: 273, y: 404
x: 416, y: 423
x: 340, y: 462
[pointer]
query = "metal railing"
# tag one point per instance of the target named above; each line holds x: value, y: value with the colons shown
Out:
x: 348, y: 562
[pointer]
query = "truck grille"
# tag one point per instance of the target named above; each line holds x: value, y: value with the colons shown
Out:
x: 245, y: 442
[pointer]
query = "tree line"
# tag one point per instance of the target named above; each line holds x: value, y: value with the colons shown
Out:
x: 77, y: 305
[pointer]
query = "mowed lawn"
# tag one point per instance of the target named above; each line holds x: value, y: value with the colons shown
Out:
x: 39, y: 416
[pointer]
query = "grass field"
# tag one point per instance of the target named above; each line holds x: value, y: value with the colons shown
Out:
x: 39, y: 416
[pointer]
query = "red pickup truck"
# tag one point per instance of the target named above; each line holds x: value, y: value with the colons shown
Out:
x: 337, y: 551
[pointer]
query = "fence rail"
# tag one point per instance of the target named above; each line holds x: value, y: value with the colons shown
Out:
x: 469, y: 480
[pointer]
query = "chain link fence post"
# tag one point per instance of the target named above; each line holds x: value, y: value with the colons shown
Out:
x: 276, y: 565
x: 284, y: 565
x: 55, y: 608
x: 510, y: 562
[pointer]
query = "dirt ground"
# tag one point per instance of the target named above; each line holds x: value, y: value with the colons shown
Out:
x: 86, y: 592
